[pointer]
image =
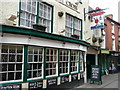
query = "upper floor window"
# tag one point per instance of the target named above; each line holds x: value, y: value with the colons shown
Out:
x: 73, y: 26
x: 31, y: 14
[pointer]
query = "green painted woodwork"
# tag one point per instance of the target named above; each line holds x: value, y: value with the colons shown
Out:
x: 32, y: 32
x: 44, y: 65
x: 25, y: 63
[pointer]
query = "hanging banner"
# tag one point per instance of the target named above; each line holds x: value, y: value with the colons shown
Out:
x: 96, y: 14
x: 97, y: 27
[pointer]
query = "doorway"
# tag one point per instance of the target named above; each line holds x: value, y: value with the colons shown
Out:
x: 90, y: 60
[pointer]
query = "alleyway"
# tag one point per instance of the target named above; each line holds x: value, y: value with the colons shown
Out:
x: 110, y: 81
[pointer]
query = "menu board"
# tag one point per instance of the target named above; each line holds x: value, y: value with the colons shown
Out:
x: 52, y: 82
x: 35, y: 85
x: 74, y: 77
x: 64, y: 79
x: 95, y: 73
x: 11, y: 87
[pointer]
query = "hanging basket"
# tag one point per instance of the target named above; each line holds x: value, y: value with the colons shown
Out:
x: 100, y: 40
x: 94, y: 39
x: 60, y: 14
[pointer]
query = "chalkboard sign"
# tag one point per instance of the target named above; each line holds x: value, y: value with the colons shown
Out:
x: 64, y: 79
x: 35, y: 85
x: 11, y: 87
x: 52, y: 82
x: 95, y: 73
x: 74, y: 77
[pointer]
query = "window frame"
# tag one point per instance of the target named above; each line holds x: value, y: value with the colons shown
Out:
x: 37, y: 62
x: 54, y: 62
x: 37, y: 15
x: 13, y: 63
x: 73, y: 28
x: 68, y: 62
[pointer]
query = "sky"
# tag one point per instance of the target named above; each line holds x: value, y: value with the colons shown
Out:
x: 112, y: 6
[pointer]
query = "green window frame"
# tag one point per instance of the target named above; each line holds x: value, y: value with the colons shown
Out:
x: 73, y: 26
x: 36, y: 12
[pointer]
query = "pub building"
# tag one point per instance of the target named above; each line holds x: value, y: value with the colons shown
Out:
x: 33, y: 54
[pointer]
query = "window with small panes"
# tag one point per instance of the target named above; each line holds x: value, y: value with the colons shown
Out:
x: 51, y: 61
x: 35, y: 62
x: 11, y: 62
x: 64, y: 61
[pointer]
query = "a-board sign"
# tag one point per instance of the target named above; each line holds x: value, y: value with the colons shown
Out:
x: 65, y: 79
x: 11, y: 87
x: 74, y: 77
x: 95, y: 73
x: 52, y: 81
x: 35, y: 85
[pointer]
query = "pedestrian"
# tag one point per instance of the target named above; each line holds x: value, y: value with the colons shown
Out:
x: 110, y: 69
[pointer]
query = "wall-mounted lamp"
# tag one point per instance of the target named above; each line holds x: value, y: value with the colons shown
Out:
x: 12, y: 17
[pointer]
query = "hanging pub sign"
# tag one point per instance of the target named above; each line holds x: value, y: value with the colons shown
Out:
x: 74, y: 77
x: 95, y: 74
x: 51, y: 82
x: 35, y: 85
x: 98, y: 19
x: 64, y: 79
x: 11, y: 87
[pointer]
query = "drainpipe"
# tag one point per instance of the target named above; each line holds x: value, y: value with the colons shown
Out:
x: 96, y: 59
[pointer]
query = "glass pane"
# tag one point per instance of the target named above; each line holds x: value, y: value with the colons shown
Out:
x: 11, y: 58
x: 40, y: 66
x: 4, y: 58
x: 34, y: 66
x: 30, y: 66
x: 4, y: 49
x: 30, y: 58
x: 34, y: 73
x: 19, y: 58
x: 12, y: 49
x: 18, y: 75
x: 19, y: 49
x: 30, y: 74
x: 18, y: 66
x: 35, y: 58
x: 11, y: 67
x: 4, y: 67
x: 4, y: 75
x: 11, y: 76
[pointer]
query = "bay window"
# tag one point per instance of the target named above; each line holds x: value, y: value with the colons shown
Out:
x: 11, y: 62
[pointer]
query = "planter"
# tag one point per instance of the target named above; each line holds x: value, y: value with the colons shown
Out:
x: 39, y: 27
x: 75, y: 36
x: 60, y: 14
